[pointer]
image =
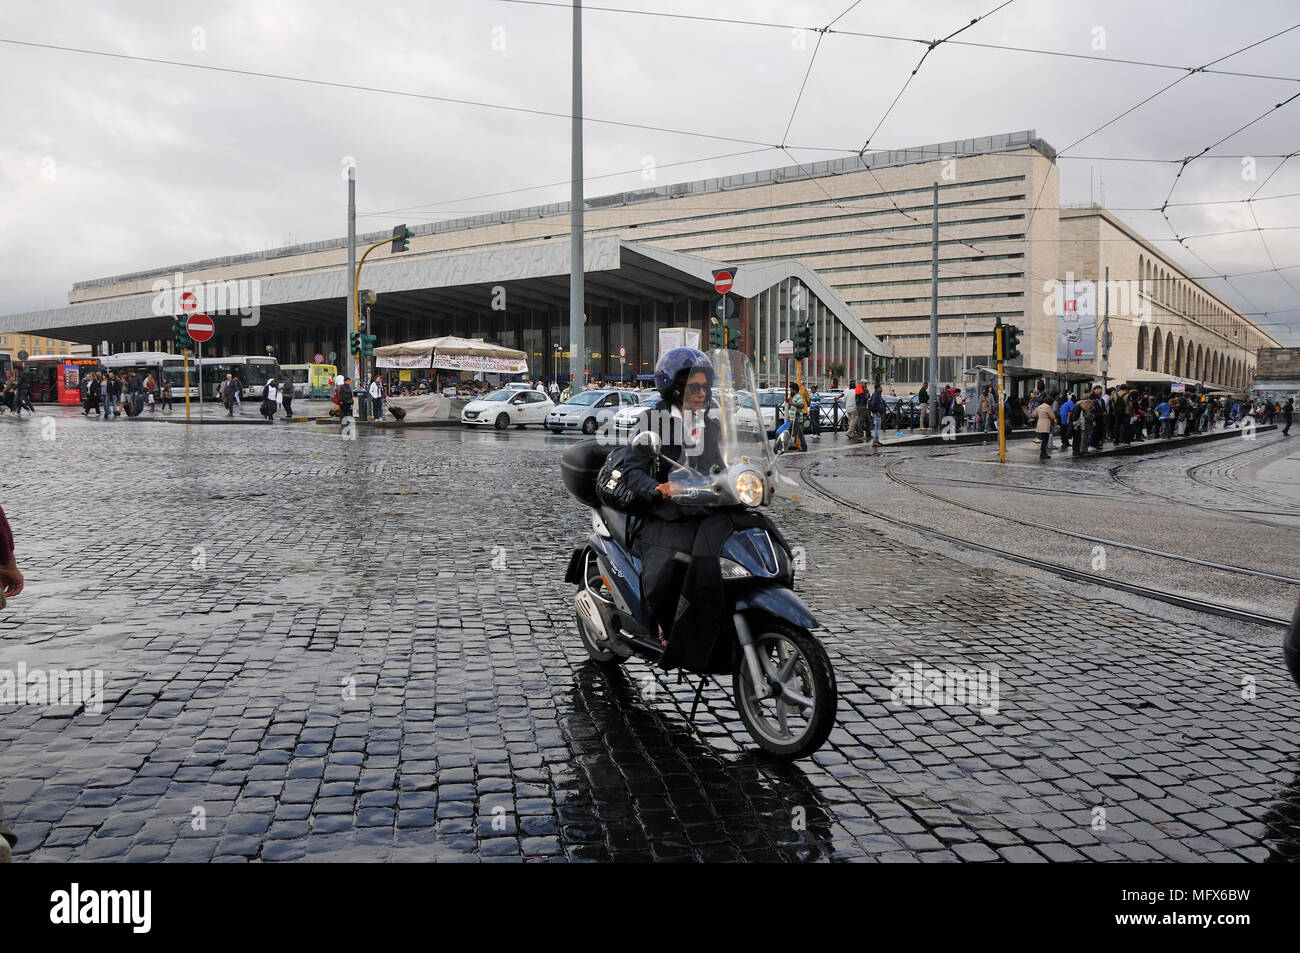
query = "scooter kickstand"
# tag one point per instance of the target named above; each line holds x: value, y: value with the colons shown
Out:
x: 699, y: 692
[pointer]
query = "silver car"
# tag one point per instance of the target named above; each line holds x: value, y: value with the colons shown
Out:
x: 588, y: 410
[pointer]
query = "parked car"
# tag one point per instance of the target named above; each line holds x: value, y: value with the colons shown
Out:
x: 771, y: 403
x: 588, y: 410
x: 508, y: 406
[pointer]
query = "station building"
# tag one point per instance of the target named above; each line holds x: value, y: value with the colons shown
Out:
x: 843, y: 244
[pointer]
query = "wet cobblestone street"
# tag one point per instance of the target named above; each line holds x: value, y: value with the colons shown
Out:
x: 316, y: 648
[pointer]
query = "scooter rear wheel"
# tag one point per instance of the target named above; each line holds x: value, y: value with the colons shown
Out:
x: 797, y: 720
x: 596, y: 648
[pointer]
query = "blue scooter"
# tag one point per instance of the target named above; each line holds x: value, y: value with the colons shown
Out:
x: 782, y: 680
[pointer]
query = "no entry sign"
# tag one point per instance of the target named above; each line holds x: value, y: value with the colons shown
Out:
x: 200, y: 327
x: 722, y: 281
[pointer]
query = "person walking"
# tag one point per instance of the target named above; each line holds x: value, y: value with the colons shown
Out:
x: 795, y: 414
x: 286, y: 398
x: 1043, y: 421
x: 150, y: 393
x: 858, y: 418
x: 923, y: 399
x: 376, y: 391
x: 876, y: 405
x: 165, y: 395
x: 986, y: 409
x: 554, y: 392
x: 345, y: 398
x: 270, y: 392
x: 114, y: 395
x: 815, y: 414
x: 229, y: 394
x: 1287, y: 410
x: 23, y: 396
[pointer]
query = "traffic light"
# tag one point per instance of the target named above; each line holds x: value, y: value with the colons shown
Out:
x: 733, y: 342
x: 368, y: 344
x: 401, y: 238
x: 803, y: 342
x: 180, y: 335
x: 716, y: 336
x: 1010, y: 342
x: 354, y: 342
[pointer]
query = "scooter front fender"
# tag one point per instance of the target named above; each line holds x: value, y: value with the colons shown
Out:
x: 780, y: 602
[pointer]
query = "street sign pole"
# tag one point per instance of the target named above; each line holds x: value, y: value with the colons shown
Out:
x: 198, y: 365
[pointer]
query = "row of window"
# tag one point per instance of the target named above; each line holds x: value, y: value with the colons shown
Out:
x: 1163, y: 286
x: 1161, y: 353
x: 925, y: 281
x: 978, y: 297
x: 863, y: 231
x: 35, y: 342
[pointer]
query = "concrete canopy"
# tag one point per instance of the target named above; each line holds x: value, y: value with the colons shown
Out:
x: 532, y: 276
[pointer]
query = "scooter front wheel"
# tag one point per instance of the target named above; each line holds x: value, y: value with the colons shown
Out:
x: 797, y: 715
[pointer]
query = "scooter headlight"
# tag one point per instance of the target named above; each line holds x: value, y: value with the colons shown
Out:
x: 749, y: 488
x: 732, y: 569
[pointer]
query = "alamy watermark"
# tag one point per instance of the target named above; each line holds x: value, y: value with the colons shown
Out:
x: 54, y: 686
x: 242, y: 296
x: 1125, y: 297
x: 921, y: 687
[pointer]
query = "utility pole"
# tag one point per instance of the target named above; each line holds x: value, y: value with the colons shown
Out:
x: 577, y: 333
x: 349, y: 367
x: 934, y: 315
x: 1105, y: 336
x: 963, y: 350
x: 998, y: 339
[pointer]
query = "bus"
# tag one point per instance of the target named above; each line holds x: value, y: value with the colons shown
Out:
x: 252, y: 372
x: 310, y: 380
x: 167, y: 369
x: 57, y: 378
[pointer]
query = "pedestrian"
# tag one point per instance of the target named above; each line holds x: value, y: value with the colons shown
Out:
x: 986, y: 408
x: 376, y: 391
x: 165, y: 395
x: 876, y: 405
x: 959, y: 410
x: 1043, y: 422
x: 1164, y: 413
x: 286, y: 398
x: 815, y: 411
x: 150, y: 389
x: 795, y: 414
x: 1287, y: 410
x: 239, y: 392
x: 229, y: 390
x: 923, y: 399
x: 1066, y: 412
x: 269, y: 394
x: 858, y: 418
x: 345, y: 398
x: 554, y: 391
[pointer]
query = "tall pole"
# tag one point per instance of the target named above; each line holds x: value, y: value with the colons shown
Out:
x: 577, y: 335
x: 963, y: 350
x: 1105, y: 336
x: 349, y: 367
x: 1002, y: 404
x: 934, y: 315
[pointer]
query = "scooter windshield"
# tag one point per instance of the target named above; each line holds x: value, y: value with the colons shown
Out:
x: 734, y: 409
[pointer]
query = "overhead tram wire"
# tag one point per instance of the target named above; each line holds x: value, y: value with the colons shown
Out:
x: 408, y: 94
x: 1002, y: 47
x: 1191, y: 71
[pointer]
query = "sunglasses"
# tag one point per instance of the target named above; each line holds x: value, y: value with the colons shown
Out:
x: 695, y: 387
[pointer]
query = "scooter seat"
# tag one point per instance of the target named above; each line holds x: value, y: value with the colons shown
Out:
x: 616, y: 522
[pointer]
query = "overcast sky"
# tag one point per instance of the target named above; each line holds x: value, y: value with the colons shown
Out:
x: 112, y: 165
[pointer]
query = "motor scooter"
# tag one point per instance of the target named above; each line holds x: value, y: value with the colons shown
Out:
x: 782, y: 680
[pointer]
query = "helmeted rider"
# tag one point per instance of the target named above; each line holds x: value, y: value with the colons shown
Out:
x: 664, y: 529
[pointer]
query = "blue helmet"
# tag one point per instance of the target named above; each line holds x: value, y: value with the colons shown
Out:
x: 676, y: 361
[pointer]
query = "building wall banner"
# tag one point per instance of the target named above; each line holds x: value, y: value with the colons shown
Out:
x: 1076, y: 338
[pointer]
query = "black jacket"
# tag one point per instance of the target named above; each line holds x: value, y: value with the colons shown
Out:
x: 643, y: 471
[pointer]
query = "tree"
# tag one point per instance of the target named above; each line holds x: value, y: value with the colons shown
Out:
x: 834, y: 370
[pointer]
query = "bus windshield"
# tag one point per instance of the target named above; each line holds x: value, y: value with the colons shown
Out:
x: 259, y: 372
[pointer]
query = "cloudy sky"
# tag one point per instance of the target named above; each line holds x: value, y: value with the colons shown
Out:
x: 116, y: 164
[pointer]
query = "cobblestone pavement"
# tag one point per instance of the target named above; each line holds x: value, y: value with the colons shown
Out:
x: 324, y: 649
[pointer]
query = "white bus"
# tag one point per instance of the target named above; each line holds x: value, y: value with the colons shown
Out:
x: 252, y: 372
x: 167, y: 369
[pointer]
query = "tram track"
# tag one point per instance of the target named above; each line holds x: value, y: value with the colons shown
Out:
x: 1157, y: 595
x: 1190, y: 473
x: 891, y: 472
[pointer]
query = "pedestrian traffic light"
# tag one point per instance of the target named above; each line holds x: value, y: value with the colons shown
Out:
x: 368, y: 344
x: 716, y: 335
x: 401, y: 238
x: 1010, y: 341
x: 354, y: 345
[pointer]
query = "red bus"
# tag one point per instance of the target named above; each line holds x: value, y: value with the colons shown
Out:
x: 57, y: 378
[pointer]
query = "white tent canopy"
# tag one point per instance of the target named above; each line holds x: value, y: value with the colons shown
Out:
x: 453, y: 354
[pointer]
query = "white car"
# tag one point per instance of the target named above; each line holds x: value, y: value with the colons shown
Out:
x: 520, y: 385
x: 628, y: 418
x: 771, y: 403
x: 588, y: 410
x: 505, y: 407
